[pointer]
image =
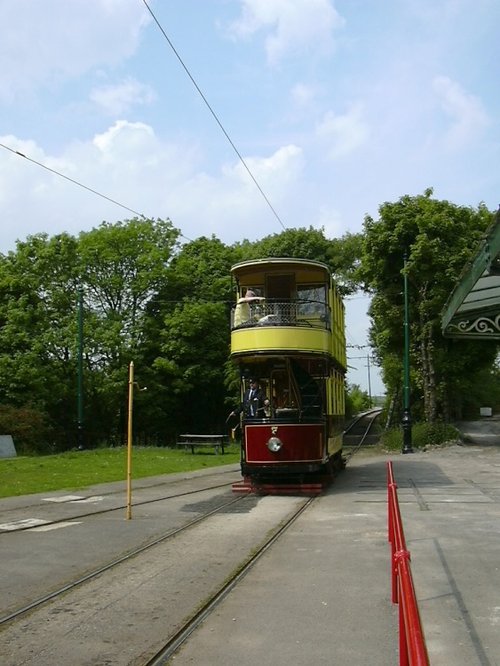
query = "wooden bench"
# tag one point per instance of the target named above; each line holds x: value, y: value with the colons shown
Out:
x: 189, y: 440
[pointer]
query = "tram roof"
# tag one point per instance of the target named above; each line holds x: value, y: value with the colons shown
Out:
x: 473, y: 307
x: 281, y: 262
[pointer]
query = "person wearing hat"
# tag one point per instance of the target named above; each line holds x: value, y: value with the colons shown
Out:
x: 254, y: 403
x: 242, y: 312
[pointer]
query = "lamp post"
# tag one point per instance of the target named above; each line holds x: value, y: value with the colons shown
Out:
x: 406, y: 420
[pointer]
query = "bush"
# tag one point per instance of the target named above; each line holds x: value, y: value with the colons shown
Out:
x: 356, y: 400
x: 423, y: 434
x: 28, y: 428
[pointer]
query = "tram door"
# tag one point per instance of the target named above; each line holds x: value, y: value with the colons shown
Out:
x: 280, y: 287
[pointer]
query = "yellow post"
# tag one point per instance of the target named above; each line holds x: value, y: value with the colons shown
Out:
x: 129, y: 438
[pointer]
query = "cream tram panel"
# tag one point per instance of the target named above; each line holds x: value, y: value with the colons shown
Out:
x: 282, y: 338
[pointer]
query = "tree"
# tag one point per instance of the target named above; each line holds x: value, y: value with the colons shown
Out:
x: 122, y: 268
x: 437, y: 238
x: 344, y: 259
x: 38, y: 329
x: 300, y: 243
x: 341, y: 255
x: 187, y: 339
x: 356, y: 400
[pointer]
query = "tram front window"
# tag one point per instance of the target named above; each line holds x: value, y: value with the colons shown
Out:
x: 312, y: 300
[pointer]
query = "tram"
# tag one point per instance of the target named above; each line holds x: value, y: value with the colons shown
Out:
x: 287, y: 334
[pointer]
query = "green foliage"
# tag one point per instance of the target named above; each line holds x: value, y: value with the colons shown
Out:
x: 29, y: 429
x: 186, y: 341
x: 341, y: 255
x: 356, y: 400
x: 75, y: 470
x: 166, y: 307
x: 423, y: 435
x: 344, y: 259
x: 471, y: 391
x: 300, y: 243
x: 200, y: 271
x: 437, y: 238
x: 194, y: 345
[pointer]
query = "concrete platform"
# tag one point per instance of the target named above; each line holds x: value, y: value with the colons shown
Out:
x: 322, y: 595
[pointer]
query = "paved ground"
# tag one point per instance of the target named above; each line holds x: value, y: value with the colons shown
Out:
x: 322, y: 594
x: 483, y: 432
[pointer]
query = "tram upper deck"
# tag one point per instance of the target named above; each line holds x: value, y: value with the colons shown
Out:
x: 287, y: 306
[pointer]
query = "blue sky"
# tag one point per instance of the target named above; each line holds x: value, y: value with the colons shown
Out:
x: 336, y: 107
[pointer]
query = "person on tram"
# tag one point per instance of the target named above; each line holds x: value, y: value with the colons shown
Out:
x: 243, y: 310
x: 255, y: 402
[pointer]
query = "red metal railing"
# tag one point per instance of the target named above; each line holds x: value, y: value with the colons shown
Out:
x: 412, y: 648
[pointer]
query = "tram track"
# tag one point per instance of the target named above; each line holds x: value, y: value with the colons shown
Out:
x: 115, y: 562
x: 151, y: 599
x: 358, y: 432
x: 24, y: 527
x: 179, y: 638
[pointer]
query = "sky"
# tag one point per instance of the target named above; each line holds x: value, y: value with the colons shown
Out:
x: 335, y: 107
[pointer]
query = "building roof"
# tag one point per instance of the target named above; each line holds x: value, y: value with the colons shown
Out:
x: 473, y: 308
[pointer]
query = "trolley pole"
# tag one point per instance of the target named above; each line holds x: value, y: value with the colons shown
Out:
x: 406, y: 420
x: 129, y: 438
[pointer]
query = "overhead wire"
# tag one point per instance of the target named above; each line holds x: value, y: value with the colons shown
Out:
x: 217, y: 120
x: 79, y: 184
x: 72, y: 180
x: 215, y: 116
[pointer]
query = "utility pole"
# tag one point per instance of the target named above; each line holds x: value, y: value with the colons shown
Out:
x: 369, y: 380
x: 129, y: 438
x: 79, y: 432
x: 131, y: 385
x: 367, y: 366
x: 406, y: 420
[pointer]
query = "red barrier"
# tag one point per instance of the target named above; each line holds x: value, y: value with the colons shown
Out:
x: 412, y: 648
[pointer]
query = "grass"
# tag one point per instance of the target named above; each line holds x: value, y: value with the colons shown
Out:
x: 74, y: 470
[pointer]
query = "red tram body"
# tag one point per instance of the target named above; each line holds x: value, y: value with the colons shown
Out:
x: 287, y: 331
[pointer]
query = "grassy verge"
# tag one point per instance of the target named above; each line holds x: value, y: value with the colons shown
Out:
x: 79, y: 469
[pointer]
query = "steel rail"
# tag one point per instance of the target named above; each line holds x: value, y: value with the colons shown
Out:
x: 122, y: 507
x: 174, y: 643
x: 371, y: 413
x: 372, y: 417
x: 107, y: 567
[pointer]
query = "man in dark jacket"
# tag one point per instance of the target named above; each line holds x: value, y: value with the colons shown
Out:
x: 255, y: 401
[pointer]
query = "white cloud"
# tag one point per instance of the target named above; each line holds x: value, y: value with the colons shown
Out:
x: 297, y: 26
x: 341, y: 134
x: 330, y: 220
x: 231, y: 205
x: 277, y: 170
x: 126, y: 141
x: 134, y: 167
x: 41, y: 47
x: 119, y: 98
x: 303, y: 95
x: 467, y: 114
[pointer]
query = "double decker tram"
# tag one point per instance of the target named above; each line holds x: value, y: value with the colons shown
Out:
x: 287, y: 333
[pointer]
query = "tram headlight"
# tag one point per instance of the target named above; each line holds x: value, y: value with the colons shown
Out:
x: 274, y: 444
